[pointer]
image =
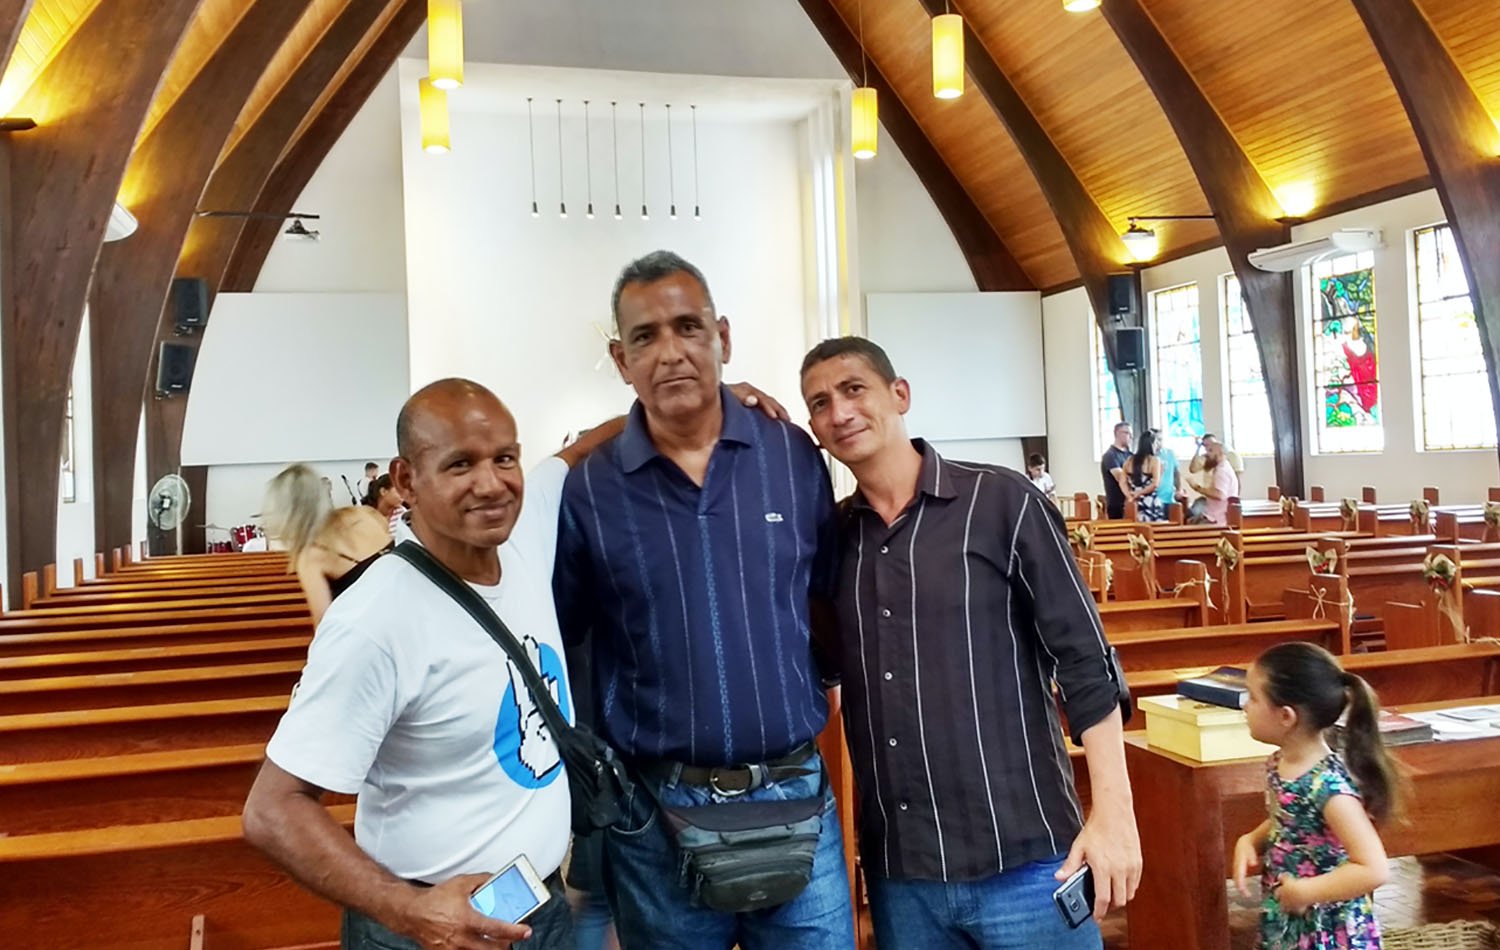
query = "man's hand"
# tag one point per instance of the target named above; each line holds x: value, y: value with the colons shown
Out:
x: 441, y: 918
x: 1290, y: 894
x: 1111, y: 846
x: 1246, y: 860
x: 752, y: 397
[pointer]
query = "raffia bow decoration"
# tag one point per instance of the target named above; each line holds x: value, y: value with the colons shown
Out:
x: 1492, y: 514
x: 1322, y: 562
x: 1439, y: 571
x: 1288, y: 506
x: 1225, y: 555
x: 1140, y: 548
x: 1082, y: 537
x: 1421, y: 513
x: 1109, y: 575
x: 1322, y: 603
x: 1349, y: 512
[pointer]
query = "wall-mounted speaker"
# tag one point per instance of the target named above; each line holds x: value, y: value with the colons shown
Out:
x: 189, y: 304
x: 1130, y: 348
x: 174, y: 368
x: 1122, y: 295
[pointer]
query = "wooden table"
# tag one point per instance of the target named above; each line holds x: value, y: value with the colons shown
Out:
x: 1190, y: 814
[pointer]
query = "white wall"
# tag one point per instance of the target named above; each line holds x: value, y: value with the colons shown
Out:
x: 1398, y: 474
x: 235, y: 491
x: 518, y: 303
x: 75, y: 519
x: 358, y: 193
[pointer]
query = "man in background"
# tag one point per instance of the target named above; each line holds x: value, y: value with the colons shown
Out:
x: 1110, y: 468
x: 1213, y: 477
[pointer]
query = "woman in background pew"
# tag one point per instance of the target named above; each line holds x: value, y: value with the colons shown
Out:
x: 1140, y: 478
x: 328, y: 548
x: 1319, y: 853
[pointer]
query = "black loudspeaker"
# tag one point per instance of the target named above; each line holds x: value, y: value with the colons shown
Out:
x: 189, y: 304
x: 1130, y: 348
x: 174, y: 368
x: 1122, y: 298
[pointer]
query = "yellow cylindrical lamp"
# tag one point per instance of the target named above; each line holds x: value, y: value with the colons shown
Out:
x: 433, y: 104
x: 948, y: 56
x: 1080, y: 6
x: 865, y: 127
x: 445, y: 43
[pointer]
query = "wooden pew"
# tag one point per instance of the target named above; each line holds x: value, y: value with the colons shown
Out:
x: 1188, y: 609
x: 148, y: 687
x: 90, y: 661
x: 1456, y: 524
x: 158, y: 613
x: 219, y: 591
x: 191, y: 630
x: 121, y: 730
x: 1222, y: 645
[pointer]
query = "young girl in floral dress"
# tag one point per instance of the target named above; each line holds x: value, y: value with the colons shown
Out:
x: 1319, y: 854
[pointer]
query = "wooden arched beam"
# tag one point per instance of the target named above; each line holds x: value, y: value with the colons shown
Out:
x: 993, y: 265
x: 1246, y: 212
x: 1460, y: 142
x: 1092, y: 240
x: 13, y: 14
x: 164, y: 180
x: 90, y: 103
x: 235, y: 185
x: 296, y: 168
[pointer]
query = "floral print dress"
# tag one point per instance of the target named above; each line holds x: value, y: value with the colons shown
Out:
x: 1302, y: 845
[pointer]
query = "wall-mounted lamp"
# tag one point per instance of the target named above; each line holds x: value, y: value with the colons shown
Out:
x: 1142, y: 243
x: 122, y: 224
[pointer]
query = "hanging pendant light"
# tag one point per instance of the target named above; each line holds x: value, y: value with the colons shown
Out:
x: 697, y: 209
x: 645, y: 215
x: 671, y: 174
x: 864, y: 132
x: 531, y: 140
x: 1140, y: 242
x: 445, y: 43
x: 562, y: 197
x: 588, y: 163
x: 947, y: 55
x: 1080, y: 6
x: 432, y: 103
x: 614, y: 137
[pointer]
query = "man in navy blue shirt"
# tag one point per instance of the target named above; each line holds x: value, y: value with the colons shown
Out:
x: 691, y: 550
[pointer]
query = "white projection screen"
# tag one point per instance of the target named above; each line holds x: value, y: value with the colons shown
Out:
x: 974, y: 361
x: 297, y: 376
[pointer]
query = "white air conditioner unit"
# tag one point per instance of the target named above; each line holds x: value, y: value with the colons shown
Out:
x: 1287, y: 257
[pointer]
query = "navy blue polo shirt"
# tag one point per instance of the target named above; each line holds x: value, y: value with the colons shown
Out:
x: 696, y: 600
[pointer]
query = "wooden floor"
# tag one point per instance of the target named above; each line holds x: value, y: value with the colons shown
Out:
x: 1426, y: 890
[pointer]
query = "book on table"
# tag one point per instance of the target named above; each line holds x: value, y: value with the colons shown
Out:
x: 1395, y: 729
x: 1225, y: 687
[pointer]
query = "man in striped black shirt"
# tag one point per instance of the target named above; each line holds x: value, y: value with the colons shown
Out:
x: 959, y: 607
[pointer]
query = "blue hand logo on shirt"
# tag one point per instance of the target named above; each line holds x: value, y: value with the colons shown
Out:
x: 523, y: 743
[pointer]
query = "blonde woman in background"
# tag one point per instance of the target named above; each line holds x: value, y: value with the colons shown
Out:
x: 328, y: 548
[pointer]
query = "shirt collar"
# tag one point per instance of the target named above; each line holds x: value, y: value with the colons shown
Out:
x: 636, y: 447
x: 934, y: 479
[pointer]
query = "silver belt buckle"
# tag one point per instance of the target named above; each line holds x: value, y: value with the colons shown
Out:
x: 755, y: 781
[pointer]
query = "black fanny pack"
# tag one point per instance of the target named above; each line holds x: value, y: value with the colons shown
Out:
x: 597, y: 780
x: 740, y: 856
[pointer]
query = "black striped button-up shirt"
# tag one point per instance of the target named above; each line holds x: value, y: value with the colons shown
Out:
x: 956, y: 620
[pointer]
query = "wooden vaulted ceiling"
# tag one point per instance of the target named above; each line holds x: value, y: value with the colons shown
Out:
x: 1298, y: 83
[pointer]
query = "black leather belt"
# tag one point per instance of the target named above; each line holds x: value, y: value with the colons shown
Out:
x: 732, y: 779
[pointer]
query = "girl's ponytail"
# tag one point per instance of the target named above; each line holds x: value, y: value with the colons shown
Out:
x: 1365, y: 752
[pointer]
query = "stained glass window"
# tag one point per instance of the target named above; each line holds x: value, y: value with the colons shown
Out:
x: 1250, y: 430
x: 68, y: 483
x: 1177, y: 368
x: 1106, y: 396
x: 1346, y: 367
x: 1456, y: 408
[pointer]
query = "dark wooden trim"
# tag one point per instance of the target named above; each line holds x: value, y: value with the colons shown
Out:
x: 13, y: 14
x: 1095, y: 245
x: 194, y: 537
x: 132, y: 277
x: 1459, y: 139
x: 1378, y: 196
x: 90, y: 102
x: 306, y: 155
x: 993, y: 265
x: 1246, y: 213
x: 235, y: 185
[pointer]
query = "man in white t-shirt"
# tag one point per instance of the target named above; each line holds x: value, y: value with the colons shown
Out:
x: 406, y: 701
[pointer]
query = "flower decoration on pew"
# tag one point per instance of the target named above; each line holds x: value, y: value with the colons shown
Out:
x: 1226, y: 555
x: 1081, y: 537
x: 1349, y: 511
x: 1439, y: 571
x: 1421, y: 515
x: 1492, y: 514
x: 1140, y: 548
x: 1288, y: 507
x: 1322, y: 562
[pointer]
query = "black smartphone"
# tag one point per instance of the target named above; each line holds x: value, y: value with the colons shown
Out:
x: 1075, y: 897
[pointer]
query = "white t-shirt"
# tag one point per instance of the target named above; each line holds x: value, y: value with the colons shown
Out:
x: 1044, y: 483
x: 409, y: 703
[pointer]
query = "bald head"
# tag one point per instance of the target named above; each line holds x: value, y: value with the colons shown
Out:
x: 438, y: 406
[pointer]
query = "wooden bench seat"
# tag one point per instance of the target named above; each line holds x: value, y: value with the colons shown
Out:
x: 148, y: 687
x: 122, y: 730
x: 194, y: 630
x: 93, y: 661
x: 1220, y: 645
x: 68, y: 620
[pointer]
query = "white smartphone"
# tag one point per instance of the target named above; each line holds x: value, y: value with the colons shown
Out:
x: 513, y: 894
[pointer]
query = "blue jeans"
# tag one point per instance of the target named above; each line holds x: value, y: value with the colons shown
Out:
x: 1012, y: 910
x: 654, y: 910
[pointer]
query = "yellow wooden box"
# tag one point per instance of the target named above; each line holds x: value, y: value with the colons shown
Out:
x: 1199, y: 731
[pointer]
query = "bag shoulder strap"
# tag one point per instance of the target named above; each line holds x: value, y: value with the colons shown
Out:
x: 469, y: 599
